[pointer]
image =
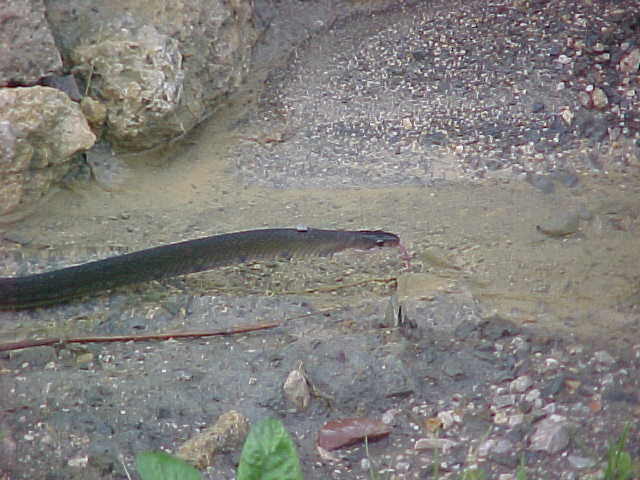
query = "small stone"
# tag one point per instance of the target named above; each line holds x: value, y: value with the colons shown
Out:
x: 296, y: 390
x: 83, y: 360
x: 563, y: 59
x: 447, y: 418
x: 485, y: 448
x: 515, y: 420
x: 537, y: 107
x: 65, y: 83
x: 599, y: 98
x: 604, y: 357
x: 541, y: 182
x: 585, y: 99
x: 502, y: 445
x: 630, y: 62
x: 581, y: 462
x: 572, y: 384
x: 434, y: 444
x: 227, y: 434
x: 389, y: 416
x: 567, y: 116
x: 502, y: 401
x: 349, y: 431
x: 501, y: 418
x: 95, y: 112
x: 520, y: 384
x: 551, y: 435
x: 560, y: 226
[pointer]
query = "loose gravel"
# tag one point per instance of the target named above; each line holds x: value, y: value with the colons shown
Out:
x: 451, y: 89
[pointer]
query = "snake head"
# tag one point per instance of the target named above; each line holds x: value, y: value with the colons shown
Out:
x: 367, y: 239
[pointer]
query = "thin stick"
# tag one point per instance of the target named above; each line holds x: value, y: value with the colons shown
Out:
x: 137, y: 338
x: 5, y: 347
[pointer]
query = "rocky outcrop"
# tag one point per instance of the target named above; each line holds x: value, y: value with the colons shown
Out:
x: 159, y: 67
x: 143, y: 72
x: 27, y: 50
x: 137, y: 74
x: 40, y: 131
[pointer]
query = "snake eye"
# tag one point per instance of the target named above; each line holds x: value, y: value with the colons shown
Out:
x: 380, y: 242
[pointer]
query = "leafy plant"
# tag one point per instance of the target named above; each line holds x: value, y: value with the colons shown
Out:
x: 162, y: 466
x: 473, y: 474
x: 619, y: 463
x: 269, y: 454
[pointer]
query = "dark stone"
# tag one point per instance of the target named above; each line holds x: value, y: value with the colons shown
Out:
x: 568, y: 179
x: 435, y: 138
x: 537, y: 107
x: 555, y: 50
x: 618, y: 395
x: 465, y: 329
x: 36, y: 357
x: 588, y: 125
x: 494, y: 165
x: 496, y: 327
x: 541, y: 182
x: 453, y: 368
x: 419, y: 55
x: 554, y: 386
x: 163, y: 413
x: 65, y: 83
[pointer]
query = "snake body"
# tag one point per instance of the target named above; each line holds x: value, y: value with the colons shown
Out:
x: 181, y: 258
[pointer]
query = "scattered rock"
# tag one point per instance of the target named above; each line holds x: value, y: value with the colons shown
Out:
x: 521, y: 384
x: 551, y: 435
x: 348, y: 431
x: 604, y: 357
x: 560, y: 226
x: 296, y: 389
x: 227, y: 434
x: 64, y: 83
x: 443, y: 444
x: 581, y: 462
x: 599, y: 98
x: 28, y: 49
x: 630, y: 61
x: 137, y: 74
x: 37, y: 145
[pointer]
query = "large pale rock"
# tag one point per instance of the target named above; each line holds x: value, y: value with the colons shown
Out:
x: 137, y: 73
x: 27, y: 50
x: 159, y: 66
x: 40, y: 130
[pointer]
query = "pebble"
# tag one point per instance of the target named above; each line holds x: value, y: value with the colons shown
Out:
x: 551, y: 435
x: 604, y: 357
x: 434, y: 444
x: 581, y: 462
x: 561, y: 225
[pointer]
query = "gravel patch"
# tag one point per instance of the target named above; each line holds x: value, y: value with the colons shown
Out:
x: 450, y: 90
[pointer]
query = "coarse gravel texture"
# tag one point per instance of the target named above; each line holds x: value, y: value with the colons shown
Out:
x: 449, y: 89
x: 516, y: 341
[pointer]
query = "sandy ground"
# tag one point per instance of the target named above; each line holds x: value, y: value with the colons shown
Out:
x: 551, y: 251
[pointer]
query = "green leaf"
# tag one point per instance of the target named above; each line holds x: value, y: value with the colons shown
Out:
x: 162, y: 466
x: 619, y: 463
x: 269, y: 454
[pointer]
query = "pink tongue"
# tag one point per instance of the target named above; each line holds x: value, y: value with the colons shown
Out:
x: 405, y: 255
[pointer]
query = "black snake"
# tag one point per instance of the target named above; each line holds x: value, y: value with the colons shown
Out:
x: 182, y: 258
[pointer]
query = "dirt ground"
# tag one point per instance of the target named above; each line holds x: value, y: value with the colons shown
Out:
x: 517, y: 341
